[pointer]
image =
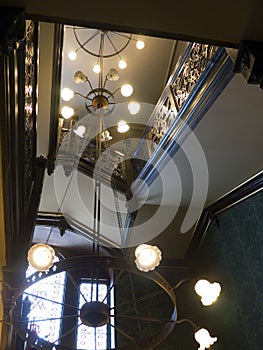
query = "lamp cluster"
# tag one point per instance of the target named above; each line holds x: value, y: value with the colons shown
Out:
x: 100, y: 98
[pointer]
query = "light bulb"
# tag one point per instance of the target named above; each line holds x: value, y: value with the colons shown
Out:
x: 126, y: 90
x: 96, y: 68
x: 204, y: 339
x: 72, y: 55
x: 134, y: 107
x: 67, y: 112
x: 209, y: 292
x: 140, y: 44
x: 122, y: 64
x: 67, y: 94
x: 80, y: 131
x: 41, y: 256
x: 122, y: 126
x: 147, y: 257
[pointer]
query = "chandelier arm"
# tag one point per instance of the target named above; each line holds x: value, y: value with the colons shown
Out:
x: 116, y: 280
x: 105, y: 82
x: 82, y: 46
x: 79, y: 94
x: 67, y: 333
x: 142, y: 318
x: 124, y: 333
x: 101, y: 49
x: 182, y: 281
x: 116, y: 91
x: 47, y: 319
x: 114, y: 47
x: 75, y: 285
x: 187, y: 320
x: 52, y: 301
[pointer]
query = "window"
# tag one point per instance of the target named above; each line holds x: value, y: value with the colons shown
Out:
x: 46, y: 297
x: 89, y: 338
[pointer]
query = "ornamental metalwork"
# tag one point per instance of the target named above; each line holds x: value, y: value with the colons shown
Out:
x: 30, y: 103
x: 197, y: 61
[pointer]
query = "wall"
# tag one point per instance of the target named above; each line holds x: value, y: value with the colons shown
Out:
x: 232, y: 253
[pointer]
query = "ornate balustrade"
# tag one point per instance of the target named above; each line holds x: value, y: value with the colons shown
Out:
x: 196, y: 82
x: 198, y: 79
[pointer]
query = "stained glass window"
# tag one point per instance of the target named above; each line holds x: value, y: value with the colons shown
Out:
x: 90, y: 338
x: 46, y: 297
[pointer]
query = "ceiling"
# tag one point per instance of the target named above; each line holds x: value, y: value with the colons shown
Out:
x: 223, y: 148
x: 223, y: 22
x: 229, y: 135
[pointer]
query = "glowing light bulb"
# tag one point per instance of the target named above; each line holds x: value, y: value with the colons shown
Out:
x: 134, y: 107
x: 140, y: 44
x: 209, y: 292
x: 122, y: 126
x: 96, y: 68
x: 204, y: 339
x: 126, y: 90
x: 122, y: 64
x: 41, y: 256
x: 67, y: 94
x: 67, y: 112
x: 80, y: 131
x: 147, y: 257
x: 72, y: 55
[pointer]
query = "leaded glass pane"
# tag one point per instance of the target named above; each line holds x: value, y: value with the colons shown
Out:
x: 46, y: 297
x: 89, y: 338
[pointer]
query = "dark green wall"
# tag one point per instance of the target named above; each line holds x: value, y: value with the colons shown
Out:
x: 232, y: 253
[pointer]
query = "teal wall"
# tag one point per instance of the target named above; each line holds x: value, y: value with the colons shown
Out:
x: 232, y: 253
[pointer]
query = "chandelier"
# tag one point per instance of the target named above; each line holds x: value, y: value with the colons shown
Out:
x: 100, y: 100
x: 98, y: 95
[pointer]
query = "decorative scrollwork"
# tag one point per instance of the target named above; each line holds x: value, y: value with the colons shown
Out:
x: 30, y: 103
x: 193, y: 67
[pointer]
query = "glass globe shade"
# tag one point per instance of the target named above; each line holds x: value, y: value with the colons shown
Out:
x: 122, y: 126
x: 72, y: 55
x: 122, y: 64
x: 201, y: 287
x: 41, y: 256
x: 67, y: 112
x: 126, y: 90
x: 113, y: 75
x: 147, y: 257
x: 134, y: 107
x: 67, y: 94
x: 140, y: 44
x: 80, y: 131
x: 209, y: 292
x: 96, y: 68
x: 204, y: 339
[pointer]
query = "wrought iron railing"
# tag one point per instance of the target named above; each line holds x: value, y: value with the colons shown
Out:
x: 198, y: 79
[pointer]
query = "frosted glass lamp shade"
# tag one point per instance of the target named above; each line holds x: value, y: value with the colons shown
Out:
x: 67, y: 112
x: 209, y: 292
x: 123, y: 126
x: 41, y: 256
x: 147, y: 257
x: 67, y: 94
x: 204, y: 339
x: 126, y: 90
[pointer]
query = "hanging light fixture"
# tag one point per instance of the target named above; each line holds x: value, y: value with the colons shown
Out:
x: 209, y: 292
x: 41, y: 256
x: 100, y: 97
x: 204, y: 339
x: 148, y: 257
